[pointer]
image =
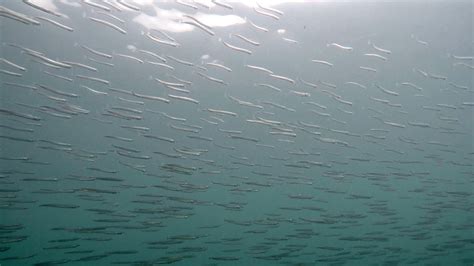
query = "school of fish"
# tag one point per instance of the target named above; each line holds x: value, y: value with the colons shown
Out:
x: 220, y: 132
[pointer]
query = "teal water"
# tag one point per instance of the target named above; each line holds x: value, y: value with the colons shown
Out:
x: 328, y: 133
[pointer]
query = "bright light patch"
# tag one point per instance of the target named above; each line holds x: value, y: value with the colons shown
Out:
x: 141, y: 2
x: 70, y: 3
x: 132, y: 48
x: 267, y: 3
x: 167, y: 20
x: 47, y: 4
x: 219, y: 20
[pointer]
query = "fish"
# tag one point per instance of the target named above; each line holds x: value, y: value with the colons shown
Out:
x: 108, y: 24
